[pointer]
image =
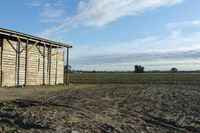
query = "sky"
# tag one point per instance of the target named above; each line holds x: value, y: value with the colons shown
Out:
x: 114, y: 34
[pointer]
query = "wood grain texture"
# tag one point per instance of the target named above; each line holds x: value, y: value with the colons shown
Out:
x: 9, y: 64
x: 37, y: 65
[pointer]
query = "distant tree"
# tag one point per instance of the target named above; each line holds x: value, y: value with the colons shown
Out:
x: 174, y: 70
x: 139, y: 69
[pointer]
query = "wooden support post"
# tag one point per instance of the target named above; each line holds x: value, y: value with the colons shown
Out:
x: 1, y: 43
x: 67, y: 71
x: 56, y: 74
x: 18, y: 62
x: 44, y: 65
x: 50, y: 64
x: 26, y: 62
x: 64, y: 67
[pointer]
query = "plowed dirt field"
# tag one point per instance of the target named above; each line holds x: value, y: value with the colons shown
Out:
x: 101, y: 109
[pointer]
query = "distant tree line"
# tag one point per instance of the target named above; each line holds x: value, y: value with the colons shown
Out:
x: 137, y: 69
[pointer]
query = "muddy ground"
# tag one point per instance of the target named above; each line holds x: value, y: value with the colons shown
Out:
x: 101, y: 108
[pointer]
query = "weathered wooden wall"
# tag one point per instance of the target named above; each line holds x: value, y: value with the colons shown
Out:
x: 42, y: 65
x: 1, y: 47
x: 60, y: 69
x: 9, y: 64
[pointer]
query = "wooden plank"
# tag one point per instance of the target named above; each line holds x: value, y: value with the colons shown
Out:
x: 46, y: 66
x: 32, y: 66
x: 40, y: 65
x: 53, y: 66
x: 67, y: 71
x: 49, y: 64
x: 18, y: 62
x: 60, y: 68
x: 26, y: 62
x: 1, y: 50
x: 43, y: 78
x: 22, y: 64
x: 56, y: 74
x: 8, y: 63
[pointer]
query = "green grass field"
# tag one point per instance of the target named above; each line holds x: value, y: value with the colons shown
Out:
x: 133, y: 78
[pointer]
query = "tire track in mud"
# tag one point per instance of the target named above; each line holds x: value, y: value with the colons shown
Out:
x: 158, y: 121
x: 27, y: 103
x: 151, y: 119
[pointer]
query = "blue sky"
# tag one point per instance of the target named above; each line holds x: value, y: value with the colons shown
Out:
x: 114, y: 34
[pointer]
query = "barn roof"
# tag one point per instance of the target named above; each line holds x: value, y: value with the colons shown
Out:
x: 24, y: 36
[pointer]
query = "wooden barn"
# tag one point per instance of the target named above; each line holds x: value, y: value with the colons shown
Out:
x: 30, y: 60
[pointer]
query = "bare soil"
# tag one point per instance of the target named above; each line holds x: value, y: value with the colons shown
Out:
x: 101, y: 108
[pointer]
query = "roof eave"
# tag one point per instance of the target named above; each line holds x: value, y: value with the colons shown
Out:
x: 19, y: 34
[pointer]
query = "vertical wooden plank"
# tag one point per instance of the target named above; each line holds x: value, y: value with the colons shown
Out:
x: 50, y: 49
x: 60, y: 68
x: 26, y: 62
x: 22, y: 65
x: 63, y: 67
x: 9, y: 63
x: 32, y: 70
x: 1, y: 58
x: 44, y: 65
x: 40, y: 65
x: 18, y: 62
x: 67, y: 76
x: 56, y: 73
x: 47, y: 65
x: 53, y: 66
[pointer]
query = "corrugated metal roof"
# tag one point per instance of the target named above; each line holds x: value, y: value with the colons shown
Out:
x: 31, y: 37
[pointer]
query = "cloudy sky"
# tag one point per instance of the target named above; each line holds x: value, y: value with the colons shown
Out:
x: 114, y: 34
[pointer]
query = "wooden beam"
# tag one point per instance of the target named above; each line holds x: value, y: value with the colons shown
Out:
x: 33, y: 46
x: 45, y: 45
x: 44, y: 49
x: 20, y: 42
x: 12, y: 45
x: 63, y: 67
x: 50, y: 64
x: 67, y: 71
x: 31, y: 38
x: 56, y: 74
x: 26, y: 62
x: 1, y: 43
x: 18, y: 63
x: 39, y: 50
x: 54, y: 54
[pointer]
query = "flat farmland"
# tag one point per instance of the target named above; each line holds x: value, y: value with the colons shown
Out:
x: 101, y: 108
x: 133, y: 78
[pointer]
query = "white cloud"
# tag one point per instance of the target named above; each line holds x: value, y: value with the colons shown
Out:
x: 189, y: 64
x: 173, y: 50
x: 97, y: 13
x: 183, y: 24
x: 51, y: 13
x: 34, y: 3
